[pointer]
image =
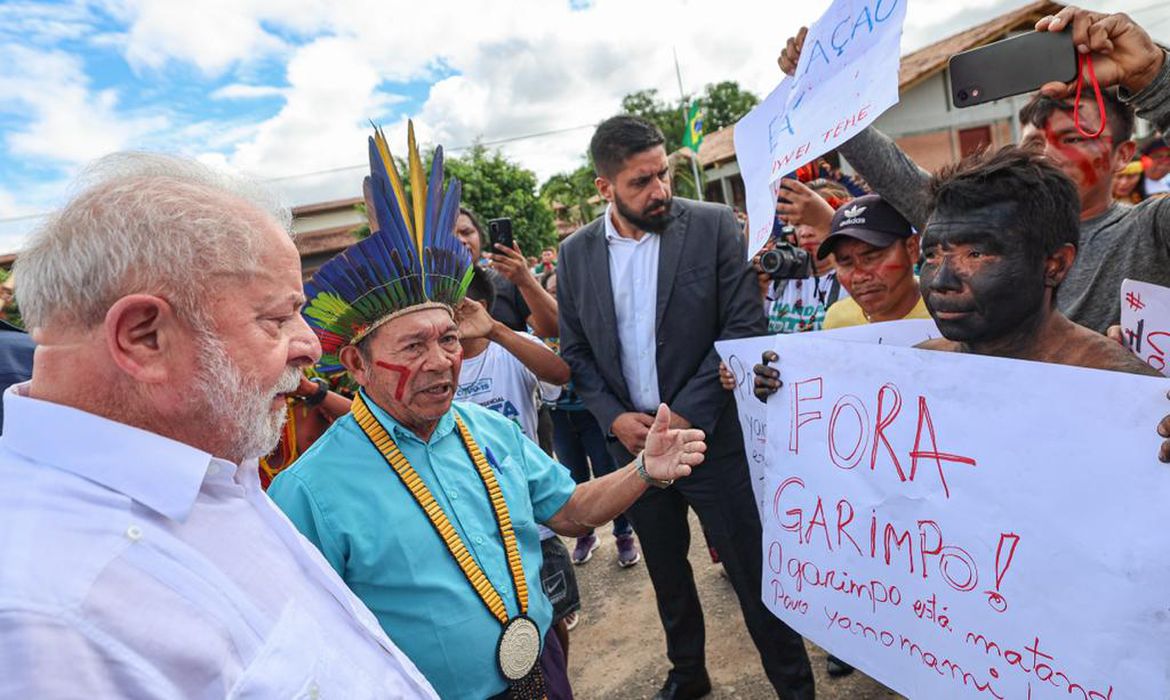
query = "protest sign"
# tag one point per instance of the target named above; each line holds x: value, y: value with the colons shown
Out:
x: 847, y: 76
x: 1145, y: 322
x: 742, y: 354
x: 906, y: 332
x: 960, y: 526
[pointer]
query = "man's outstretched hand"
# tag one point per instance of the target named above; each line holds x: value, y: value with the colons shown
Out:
x: 767, y: 379
x: 672, y: 452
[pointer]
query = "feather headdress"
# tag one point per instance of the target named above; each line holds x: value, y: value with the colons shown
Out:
x: 411, y: 260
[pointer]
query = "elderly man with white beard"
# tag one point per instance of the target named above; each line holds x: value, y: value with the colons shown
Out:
x: 139, y: 556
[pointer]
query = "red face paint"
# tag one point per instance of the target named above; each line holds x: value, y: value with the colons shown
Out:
x: 403, y: 377
x: 1086, y: 157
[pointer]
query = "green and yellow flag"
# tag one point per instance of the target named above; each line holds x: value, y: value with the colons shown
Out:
x: 694, y: 134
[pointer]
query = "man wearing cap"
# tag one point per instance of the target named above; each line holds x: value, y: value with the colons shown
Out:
x: 428, y: 509
x: 1117, y: 242
x: 876, y: 249
x: 1001, y: 237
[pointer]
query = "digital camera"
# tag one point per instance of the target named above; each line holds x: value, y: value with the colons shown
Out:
x: 785, y: 261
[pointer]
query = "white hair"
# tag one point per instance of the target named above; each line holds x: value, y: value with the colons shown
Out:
x: 142, y: 223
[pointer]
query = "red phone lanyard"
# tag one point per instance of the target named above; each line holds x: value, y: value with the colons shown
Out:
x: 1085, y: 61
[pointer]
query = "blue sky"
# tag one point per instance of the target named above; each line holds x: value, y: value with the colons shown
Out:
x: 277, y: 89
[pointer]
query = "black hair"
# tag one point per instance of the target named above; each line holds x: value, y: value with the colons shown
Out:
x: 620, y: 137
x: 481, y: 288
x: 1118, y: 114
x: 1152, y: 143
x: 475, y: 222
x: 1048, y: 207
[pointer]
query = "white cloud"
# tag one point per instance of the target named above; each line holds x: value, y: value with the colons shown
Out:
x: 65, y: 122
x: 332, y: 90
x: 40, y: 23
x: 211, y: 35
x: 520, y: 67
x: 23, y: 210
x: 240, y: 91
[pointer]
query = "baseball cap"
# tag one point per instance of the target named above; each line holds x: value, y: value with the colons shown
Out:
x: 867, y: 218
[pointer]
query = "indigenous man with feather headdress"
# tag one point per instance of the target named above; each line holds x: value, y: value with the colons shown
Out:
x: 426, y: 507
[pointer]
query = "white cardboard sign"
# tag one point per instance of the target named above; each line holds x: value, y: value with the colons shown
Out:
x: 961, y: 526
x: 1145, y: 322
x: 847, y: 76
x: 743, y: 354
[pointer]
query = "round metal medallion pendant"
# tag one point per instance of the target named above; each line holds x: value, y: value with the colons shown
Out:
x: 519, y: 648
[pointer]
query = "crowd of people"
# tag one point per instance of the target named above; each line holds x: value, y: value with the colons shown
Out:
x: 220, y: 481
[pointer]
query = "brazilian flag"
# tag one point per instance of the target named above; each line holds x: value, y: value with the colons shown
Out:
x: 694, y: 135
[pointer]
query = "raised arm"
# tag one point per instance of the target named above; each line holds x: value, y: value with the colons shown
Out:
x: 885, y: 167
x: 533, y: 354
x: 510, y: 263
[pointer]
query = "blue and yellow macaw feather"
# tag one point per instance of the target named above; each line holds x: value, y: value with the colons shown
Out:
x: 384, y: 163
x: 418, y: 188
x: 434, y: 198
x: 412, y: 258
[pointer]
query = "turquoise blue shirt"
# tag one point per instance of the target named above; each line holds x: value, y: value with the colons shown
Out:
x: 344, y: 498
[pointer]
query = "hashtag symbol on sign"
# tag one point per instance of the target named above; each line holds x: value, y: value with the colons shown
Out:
x: 1135, y: 301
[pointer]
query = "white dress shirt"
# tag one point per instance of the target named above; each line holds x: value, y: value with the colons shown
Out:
x: 134, y: 566
x: 633, y: 274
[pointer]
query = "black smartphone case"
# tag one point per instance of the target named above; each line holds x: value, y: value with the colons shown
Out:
x: 500, y: 231
x: 1012, y: 67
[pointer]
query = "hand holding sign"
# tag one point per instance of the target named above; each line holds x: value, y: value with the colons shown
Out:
x: 846, y: 76
x: 790, y: 56
x: 736, y: 375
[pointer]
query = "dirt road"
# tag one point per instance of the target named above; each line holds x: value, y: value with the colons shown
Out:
x: 618, y: 651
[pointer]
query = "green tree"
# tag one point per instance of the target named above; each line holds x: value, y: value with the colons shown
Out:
x: 666, y: 115
x: 572, y: 192
x: 495, y: 187
x: 724, y: 104
x: 363, y: 231
x: 10, y: 312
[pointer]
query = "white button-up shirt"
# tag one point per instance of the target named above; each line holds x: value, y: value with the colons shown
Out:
x: 134, y: 566
x: 633, y: 274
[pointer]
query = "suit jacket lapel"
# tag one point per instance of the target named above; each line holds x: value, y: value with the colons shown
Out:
x: 597, y: 271
x: 669, y: 254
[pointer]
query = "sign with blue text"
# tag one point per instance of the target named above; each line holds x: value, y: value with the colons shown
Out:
x: 847, y: 76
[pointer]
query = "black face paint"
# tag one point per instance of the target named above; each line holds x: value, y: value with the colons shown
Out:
x: 978, y: 281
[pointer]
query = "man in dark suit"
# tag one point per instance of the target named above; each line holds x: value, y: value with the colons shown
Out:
x: 643, y: 293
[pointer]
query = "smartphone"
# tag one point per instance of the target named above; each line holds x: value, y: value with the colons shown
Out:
x: 1011, y: 67
x: 500, y: 231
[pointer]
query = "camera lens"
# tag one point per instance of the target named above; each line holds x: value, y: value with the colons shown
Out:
x: 962, y: 94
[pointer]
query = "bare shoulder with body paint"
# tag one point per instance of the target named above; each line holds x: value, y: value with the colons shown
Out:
x: 938, y: 344
x: 1087, y: 348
